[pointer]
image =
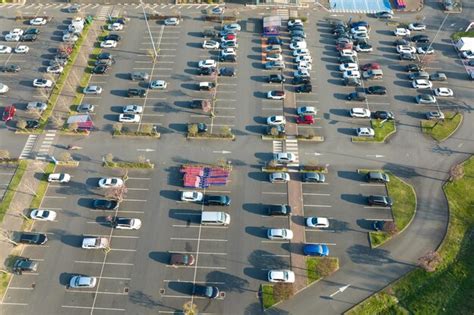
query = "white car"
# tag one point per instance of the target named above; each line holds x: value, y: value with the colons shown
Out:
x: 304, y: 65
x: 359, y: 36
x: 359, y: 112
x: 401, y: 31
x: 132, y: 109
x: 192, y: 196
x: 210, y: 44
x: 425, y: 50
x: 108, y: 44
x: 306, y: 58
x: 276, y: 120
x: 280, y: 234
x: 217, y: 11
x: 298, y: 45
x: 42, y: 83
x: 92, y: 89
x: 365, y: 132
x: 82, y: 282
x: 4, y: 88
x: 359, y: 29
x: 417, y: 26
x: 348, y: 53
x: 406, y: 49
x: 351, y: 74
x: 172, y: 21
x: 43, y: 215
x: 17, y: 31
x: 276, y: 95
x: 95, y: 243
x: 306, y: 110
x: 317, y: 222
x: 284, y: 157
x: 38, y: 21
x: 12, y: 37
x: 129, y: 118
x: 279, y: 177
x: 228, y: 51
x: 208, y: 63
x: 5, y: 49
x: 444, y: 92
x: 469, y: 54
x: 115, y: 27
x: 301, y: 73
x: 79, y: 20
x: 158, y: 85
x: 301, y: 52
x: 69, y: 37
x: 55, y: 69
x: 294, y: 22
x: 422, y: 84
x: 274, y: 57
x: 22, y: 49
x: 364, y: 48
x: 285, y: 276
x: 232, y: 27
x: 59, y: 178
x: 349, y: 67
x: 121, y: 223
x: 110, y: 182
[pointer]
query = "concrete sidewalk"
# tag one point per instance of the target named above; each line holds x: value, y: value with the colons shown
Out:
x: 13, y: 219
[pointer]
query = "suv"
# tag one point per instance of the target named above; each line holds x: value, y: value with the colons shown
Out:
x: 216, y: 200
x: 280, y: 210
x: 301, y: 80
x: 305, y: 88
x: 24, y: 264
x: 207, y: 291
x: 377, y: 200
x: 139, y: 76
x: 105, y: 204
x: 276, y: 78
x: 136, y: 92
x: 33, y: 238
x: 377, y: 177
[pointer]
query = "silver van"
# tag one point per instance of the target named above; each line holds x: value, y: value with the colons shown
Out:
x: 139, y: 76
x: 215, y: 218
x: 373, y: 74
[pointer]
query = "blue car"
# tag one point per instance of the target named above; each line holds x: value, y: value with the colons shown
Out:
x: 359, y: 23
x: 316, y: 250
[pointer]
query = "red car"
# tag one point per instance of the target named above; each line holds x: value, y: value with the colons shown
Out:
x: 371, y: 66
x: 343, y: 46
x: 229, y: 37
x: 305, y: 120
x: 8, y: 113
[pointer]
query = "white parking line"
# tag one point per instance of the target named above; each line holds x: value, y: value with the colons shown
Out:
x: 198, y: 267
x: 273, y: 193
x: 198, y: 225
x: 140, y: 189
x: 195, y: 239
x: 100, y: 262
x: 275, y: 242
x: 140, y: 178
x: 98, y: 292
x: 55, y: 197
x: 20, y: 288
x: 200, y: 253
x: 318, y: 206
x: 123, y: 250
x: 12, y: 303
x: 275, y: 255
x: 95, y: 308
x: 382, y: 185
x: 315, y: 194
x: 138, y: 200
x: 375, y: 207
x: 114, y: 278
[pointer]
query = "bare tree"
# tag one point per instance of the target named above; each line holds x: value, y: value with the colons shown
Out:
x: 189, y: 308
x: 109, y: 158
x: 74, y: 126
x: 456, y: 172
x: 283, y: 291
x: 147, y: 128
x: 390, y: 227
x: 65, y: 156
x: 429, y: 261
x: 116, y: 193
x: 274, y: 131
x: 4, y: 154
x: 117, y: 127
x: 192, y: 129
x: 57, y: 121
x: 35, y: 112
x: 21, y: 124
x: 226, y: 131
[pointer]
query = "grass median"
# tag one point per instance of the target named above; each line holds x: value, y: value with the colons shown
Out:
x: 42, y: 186
x: 12, y: 187
x: 449, y: 289
x: 442, y: 130
x: 319, y: 267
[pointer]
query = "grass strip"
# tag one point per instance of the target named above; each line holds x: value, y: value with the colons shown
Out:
x: 12, y: 187
x: 404, y: 201
x: 442, y: 130
x: 42, y: 186
x: 125, y: 164
x: 268, y: 299
x: 319, y: 267
x: 456, y: 36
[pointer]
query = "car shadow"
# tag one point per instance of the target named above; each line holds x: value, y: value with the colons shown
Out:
x: 340, y: 112
x: 259, y: 176
x: 256, y: 231
x: 187, y: 215
x: 256, y: 208
x: 405, y: 98
x: 355, y: 176
x: 355, y: 198
x: 161, y: 257
x: 123, y: 76
x: 347, y: 131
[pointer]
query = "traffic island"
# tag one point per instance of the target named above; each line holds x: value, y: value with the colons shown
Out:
x: 441, y: 130
x: 319, y: 267
x: 383, y: 130
x: 272, y: 294
x: 200, y: 132
x: 129, y: 164
x: 444, y: 282
x: 12, y: 186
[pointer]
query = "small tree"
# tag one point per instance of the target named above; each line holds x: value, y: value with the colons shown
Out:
x: 57, y: 121
x: 65, y: 156
x: 4, y: 154
x: 283, y: 291
x: 429, y: 261
x: 226, y: 131
x: 147, y: 128
x: 390, y: 227
x: 116, y: 193
x: 109, y: 158
x: 117, y: 127
x: 35, y: 113
x: 310, y: 134
x: 456, y: 172
x: 192, y: 129
x: 21, y: 124
x: 141, y: 159
x: 74, y: 126
x: 189, y: 308
x: 274, y: 131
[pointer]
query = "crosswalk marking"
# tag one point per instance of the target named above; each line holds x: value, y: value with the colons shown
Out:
x: 291, y: 146
x: 30, y: 142
x: 277, y: 146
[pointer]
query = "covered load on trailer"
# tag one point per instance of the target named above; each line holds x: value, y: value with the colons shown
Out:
x: 271, y: 25
x: 465, y: 43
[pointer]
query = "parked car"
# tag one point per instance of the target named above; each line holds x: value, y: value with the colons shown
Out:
x: 110, y: 182
x: 276, y: 120
x: 317, y: 222
x: 42, y: 83
x: 85, y: 108
x: 59, y: 178
x: 216, y: 200
x: 278, y: 210
x: 357, y: 96
x: 32, y: 238
x: 305, y: 88
x: 365, y: 132
x: 279, y: 177
x: 438, y: 76
x: 210, y: 292
x: 435, y: 115
x: 122, y: 223
x: 105, y: 204
x: 136, y: 92
x: 306, y: 110
x: 383, y: 115
x: 279, y: 234
x: 283, y: 276
x: 8, y: 113
x: 158, y: 85
x: 92, y: 89
x: 173, y: 21
x: 359, y: 112
x: 417, y: 26
x: 276, y: 78
x: 129, y: 118
x: 82, y: 282
x: 305, y: 120
x: 178, y: 259
x: 284, y: 157
x: 316, y: 250
x: 425, y: 99
x: 378, y: 200
x: 22, y: 264
x: 377, y: 177
x: 139, y: 76
x: 314, y: 177
x: 376, y: 90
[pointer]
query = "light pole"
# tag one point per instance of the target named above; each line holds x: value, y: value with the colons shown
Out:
x: 155, y: 54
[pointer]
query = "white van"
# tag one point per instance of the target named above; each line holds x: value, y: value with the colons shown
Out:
x: 215, y: 218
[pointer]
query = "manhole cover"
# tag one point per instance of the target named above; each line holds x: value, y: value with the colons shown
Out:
x: 125, y: 289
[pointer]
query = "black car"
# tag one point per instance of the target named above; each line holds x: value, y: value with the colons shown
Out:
x: 357, y: 96
x: 32, y: 124
x: 377, y: 200
x: 275, y: 78
x: 301, y: 80
x: 413, y: 67
x: 376, y: 90
x: 28, y: 38
x: 62, y: 55
x: 24, y: 265
x: 420, y: 39
x: 401, y: 41
x: 383, y: 114
x: 228, y: 58
x: 33, y: 238
x: 346, y: 59
x: 305, y: 88
x: 136, y: 93
x: 207, y: 71
x: 296, y: 27
x: 407, y: 56
x: 210, y: 33
x: 202, y: 127
x: 274, y: 40
x: 33, y: 31
x: 105, y: 55
x: 114, y: 37
x: 121, y: 21
x: 281, y: 210
x: 207, y: 291
x: 104, y: 204
x: 100, y: 69
x: 384, y: 15
x: 103, y: 62
x: 227, y: 71
x: 378, y: 225
x: 11, y: 68
x: 216, y: 200
x: 297, y: 33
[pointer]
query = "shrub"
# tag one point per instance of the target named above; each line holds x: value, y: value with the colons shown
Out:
x: 21, y: 124
x: 283, y: 291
